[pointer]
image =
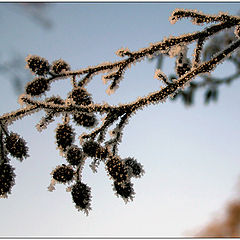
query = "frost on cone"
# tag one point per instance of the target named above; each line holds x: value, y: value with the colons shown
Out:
x: 135, y: 168
x: 16, y: 146
x: 37, y: 65
x: 80, y: 96
x: 6, y: 179
x: 74, y: 155
x: 63, y: 173
x: 124, y: 190
x: 37, y: 87
x: 93, y: 149
x: 64, y: 136
x: 117, y: 169
x: 85, y: 120
x: 59, y: 66
x: 81, y: 195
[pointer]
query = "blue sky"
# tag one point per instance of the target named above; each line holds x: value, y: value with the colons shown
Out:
x: 190, y: 155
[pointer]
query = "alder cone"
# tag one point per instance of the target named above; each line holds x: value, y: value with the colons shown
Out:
x: 117, y: 169
x: 74, y: 155
x: 37, y: 87
x: 64, y: 136
x: 94, y: 150
x: 16, y: 146
x: 38, y: 65
x: 60, y: 66
x: 91, y: 148
x: 85, y: 120
x: 125, y: 190
x: 80, y: 96
x: 63, y: 174
x: 134, y: 167
x: 6, y: 178
x: 81, y: 195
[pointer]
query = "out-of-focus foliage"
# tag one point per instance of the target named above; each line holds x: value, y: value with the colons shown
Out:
x: 12, y: 67
x: 225, y: 225
x: 208, y: 81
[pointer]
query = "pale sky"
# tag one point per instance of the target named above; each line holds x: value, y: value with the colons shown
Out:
x: 190, y: 155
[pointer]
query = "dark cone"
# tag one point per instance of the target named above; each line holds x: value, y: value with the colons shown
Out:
x: 38, y: 65
x: 80, y: 96
x: 74, y: 155
x: 16, y: 146
x: 6, y: 178
x: 63, y: 174
x: 59, y: 66
x: 117, y: 169
x: 81, y: 195
x: 85, y: 120
x: 64, y: 136
x: 125, y: 190
x: 37, y: 87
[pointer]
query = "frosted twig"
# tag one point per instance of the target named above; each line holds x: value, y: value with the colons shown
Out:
x: 134, y: 57
x: 80, y: 106
x: 152, y: 98
x: 199, y: 18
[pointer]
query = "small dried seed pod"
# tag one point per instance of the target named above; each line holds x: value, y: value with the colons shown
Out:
x: 37, y: 87
x: 81, y: 195
x: 91, y: 148
x: 85, y: 120
x: 117, y: 169
x: 124, y: 190
x: 64, y: 136
x: 60, y: 66
x: 63, y: 173
x: 74, y: 155
x: 134, y: 167
x: 16, y: 146
x: 37, y: 65
x: 94, y: 150
x: 6, y: 179
x: 80, y: 96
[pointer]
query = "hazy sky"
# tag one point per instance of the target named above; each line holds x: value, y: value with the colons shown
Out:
x: 190, y: 155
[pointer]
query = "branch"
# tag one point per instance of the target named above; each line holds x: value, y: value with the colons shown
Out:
x: 199, y: 18
x: 152, y: 98
x: 80, y: 105
x: 137, y: 56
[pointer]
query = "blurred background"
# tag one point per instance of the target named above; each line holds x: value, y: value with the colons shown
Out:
x: 189, y: 147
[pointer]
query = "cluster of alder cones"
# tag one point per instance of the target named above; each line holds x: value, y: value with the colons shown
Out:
x: 120, y: 170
